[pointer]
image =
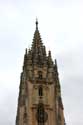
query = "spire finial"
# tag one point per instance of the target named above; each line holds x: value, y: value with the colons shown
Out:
x: 36, y: 23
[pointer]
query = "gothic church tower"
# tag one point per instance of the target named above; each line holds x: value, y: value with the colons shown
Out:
x: 39, y: 101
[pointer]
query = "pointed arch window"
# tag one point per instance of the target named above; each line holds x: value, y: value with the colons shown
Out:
x: 41, y: 115
x: 40, y: 91
x: 40, y: 75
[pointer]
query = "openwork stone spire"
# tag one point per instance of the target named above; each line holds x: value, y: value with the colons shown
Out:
x: 37, y: 42
x: 38, y: 49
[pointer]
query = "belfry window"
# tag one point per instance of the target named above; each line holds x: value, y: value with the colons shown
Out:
x: 40, y: 75
x: 40, y: 91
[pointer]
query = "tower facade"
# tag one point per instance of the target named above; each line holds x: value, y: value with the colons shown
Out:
x: 39, y: 101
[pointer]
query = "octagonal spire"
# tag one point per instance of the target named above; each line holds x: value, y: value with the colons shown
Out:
x: 37, y: 42
x: 38, y: 49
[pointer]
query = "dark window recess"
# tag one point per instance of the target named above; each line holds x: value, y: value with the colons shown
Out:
x: 40, y: 75
x: 40, y: 91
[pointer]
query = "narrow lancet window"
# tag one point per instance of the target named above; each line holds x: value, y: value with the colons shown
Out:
x: 40, y: 91
x: 40, y: 75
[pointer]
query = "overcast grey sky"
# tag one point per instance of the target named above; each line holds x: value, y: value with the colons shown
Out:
x: 61, y: 28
